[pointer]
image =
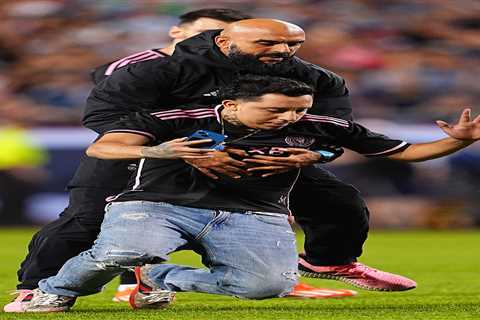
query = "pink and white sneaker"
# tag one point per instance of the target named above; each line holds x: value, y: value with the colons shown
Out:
x: 39, y: 301
x: 24, y: 296
x: 358, y: 275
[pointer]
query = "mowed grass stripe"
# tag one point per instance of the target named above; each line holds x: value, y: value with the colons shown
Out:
x: 446, y: 266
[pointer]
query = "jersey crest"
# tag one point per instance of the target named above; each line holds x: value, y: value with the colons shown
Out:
x: 299, y: 141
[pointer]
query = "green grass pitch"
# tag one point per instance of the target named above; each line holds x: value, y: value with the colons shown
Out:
x: 446, y: 266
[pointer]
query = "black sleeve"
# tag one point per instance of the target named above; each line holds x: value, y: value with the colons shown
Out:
x: 338, y: 107
x: 331, y: 94
x: 354, y: 136
x: 368, y: 143
x: 145, y: 124
x: 140, y: 86
x: 101, y: 72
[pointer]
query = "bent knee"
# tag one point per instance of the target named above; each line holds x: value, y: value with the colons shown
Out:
x: 270, y: 287
x: 115, y: 258
x: 265, y: 287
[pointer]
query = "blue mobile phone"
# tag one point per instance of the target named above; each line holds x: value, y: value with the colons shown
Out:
x: 327, y: 155
x: 216, y: 138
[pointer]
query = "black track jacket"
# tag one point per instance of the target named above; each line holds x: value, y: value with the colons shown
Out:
x: 192, y: 75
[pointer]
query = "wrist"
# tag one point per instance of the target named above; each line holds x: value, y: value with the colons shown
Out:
x: 463, y: 142
x: 146, y: 152
x: 318, y: 156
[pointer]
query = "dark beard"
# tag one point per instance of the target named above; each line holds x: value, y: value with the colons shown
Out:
x: 250, y: 64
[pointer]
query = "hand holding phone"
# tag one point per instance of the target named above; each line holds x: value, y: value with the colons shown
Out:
x: 216, y: 142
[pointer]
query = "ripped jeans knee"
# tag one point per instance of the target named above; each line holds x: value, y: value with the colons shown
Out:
x: 249, y: 286
x: 118, y: 258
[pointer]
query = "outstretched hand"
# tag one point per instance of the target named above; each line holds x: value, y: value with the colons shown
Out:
x: 466, y: 129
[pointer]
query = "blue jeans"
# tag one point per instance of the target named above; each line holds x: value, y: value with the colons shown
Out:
x: 248, y: 255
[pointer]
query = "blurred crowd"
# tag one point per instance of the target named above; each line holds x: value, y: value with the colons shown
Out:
x: 410, y: 61
x: 406, y: 61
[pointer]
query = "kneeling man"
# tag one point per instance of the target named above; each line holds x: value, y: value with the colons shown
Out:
x: 239, y: 226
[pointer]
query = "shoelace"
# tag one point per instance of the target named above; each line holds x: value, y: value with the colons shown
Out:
x: 48, y: 299
x: 360, y: 267
x: 364, y: 269
x: 155, y: 296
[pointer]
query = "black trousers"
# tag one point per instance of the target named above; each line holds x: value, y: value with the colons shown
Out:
x: 332, y: 214
x: 73, y: 232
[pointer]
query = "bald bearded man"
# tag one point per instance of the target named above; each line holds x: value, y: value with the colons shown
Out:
x: 332, y: 214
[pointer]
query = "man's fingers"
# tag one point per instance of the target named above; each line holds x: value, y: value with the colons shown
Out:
x: 224, y: 158
x: 269, y: 168
x: 258, y: 161
x: 179, y: 139
x: 195, y: 157
x: 235, y: 163
x: 202, y: 170
x: 271, y: 161
x: 206, y: 172
x: 293, y: 150
x: 229, y: 172
x: 234, y: 169
x: 237, y: 152
x: 195, y: 150
x: 270, y: 158
x: 477, y: 119
x: 442, y: 124
x: 265, y: 175
x: 194, y: 142
x: 465, y: 117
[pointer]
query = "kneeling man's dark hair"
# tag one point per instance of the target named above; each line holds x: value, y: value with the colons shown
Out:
x: 222, y: 14
x: 251, y: 87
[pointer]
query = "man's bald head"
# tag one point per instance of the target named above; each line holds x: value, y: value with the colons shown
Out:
x: 270, y: 40
x: 261, y: 27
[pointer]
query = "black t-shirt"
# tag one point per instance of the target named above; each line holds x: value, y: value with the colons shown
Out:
x: 176, y: 182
